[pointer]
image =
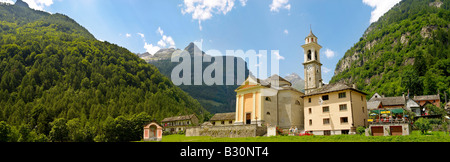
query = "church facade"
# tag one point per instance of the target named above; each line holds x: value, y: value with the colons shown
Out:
x: 272, y: 102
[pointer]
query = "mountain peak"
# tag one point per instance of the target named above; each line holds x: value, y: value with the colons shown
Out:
x: 192, y: 47
x: 21, y: 3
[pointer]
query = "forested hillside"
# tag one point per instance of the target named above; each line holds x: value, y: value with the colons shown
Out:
x: 58, y: 83
x: 406, y: 49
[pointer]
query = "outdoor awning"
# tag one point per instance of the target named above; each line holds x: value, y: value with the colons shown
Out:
x: 397, y: 111
x: 389, y: 111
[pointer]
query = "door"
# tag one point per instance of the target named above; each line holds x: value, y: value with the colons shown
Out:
x: 377, y: 131
x: 396, y: 130
x: 248, y: 118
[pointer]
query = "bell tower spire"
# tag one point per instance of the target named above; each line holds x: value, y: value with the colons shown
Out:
x: 312, y: 65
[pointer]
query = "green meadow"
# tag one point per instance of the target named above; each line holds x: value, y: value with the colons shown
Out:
x: 414, y: 137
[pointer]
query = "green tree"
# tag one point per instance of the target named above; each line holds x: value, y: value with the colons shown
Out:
x: 423, y: 125
x: 59, y: 132
x: 5, y: 132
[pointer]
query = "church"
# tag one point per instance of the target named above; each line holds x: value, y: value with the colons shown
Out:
x: 322, y: 110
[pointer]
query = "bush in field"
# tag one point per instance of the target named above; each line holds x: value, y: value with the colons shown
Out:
x: 423, y: 125
x: 360, y: 130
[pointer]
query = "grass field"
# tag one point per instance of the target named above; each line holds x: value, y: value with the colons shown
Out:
x: 414, y: 137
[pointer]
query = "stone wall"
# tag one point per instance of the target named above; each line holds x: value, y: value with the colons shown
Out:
x: 232, y: 131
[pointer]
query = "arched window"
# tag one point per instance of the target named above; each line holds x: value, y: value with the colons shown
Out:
x: 268, y: 99
x: 297, y: 102
x: 309, y: 55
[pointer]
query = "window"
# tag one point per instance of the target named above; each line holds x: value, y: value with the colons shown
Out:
x: 310, y: 121
x: 362, y: 98
x: 326, y: 121
x: 325, y: 97
x: 325, y: 109
x: 342, y: 95
x: 223, y: 122
x: 343, y: 107
x: 363, y: 109
x: 213, y: 123
x: 297, y: 102
x: 310, y: 110
x: 309, y: 100
x: 230, y: 122
x: 327, y: 133
x: 344, y: 120
x: 309, y: 55
x: 268, y: 99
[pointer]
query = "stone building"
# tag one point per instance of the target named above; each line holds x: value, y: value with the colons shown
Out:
x: 179, y: 123
x: 223, y: 119
x: 269, y: 102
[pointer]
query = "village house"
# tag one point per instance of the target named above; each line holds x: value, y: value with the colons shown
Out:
x: 179, y: 123
x: 335, y: 109
x: 428, y: 99
x: 223, y: 119
x: 398, y: 104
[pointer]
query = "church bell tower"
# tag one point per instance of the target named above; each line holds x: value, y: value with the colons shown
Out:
x: 312, y: 65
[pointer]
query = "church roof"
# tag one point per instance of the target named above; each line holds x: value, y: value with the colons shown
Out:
x: 311, y: 34
x: 277, y: 78
x: 333, y: 88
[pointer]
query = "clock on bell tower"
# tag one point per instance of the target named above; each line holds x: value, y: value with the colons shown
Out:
x: 312, y: 65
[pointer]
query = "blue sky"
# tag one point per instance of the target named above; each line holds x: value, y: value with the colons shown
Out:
x: 146, y: 25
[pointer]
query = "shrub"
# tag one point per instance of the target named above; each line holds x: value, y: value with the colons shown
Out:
x: 360, y: 130
x: 423, y: 125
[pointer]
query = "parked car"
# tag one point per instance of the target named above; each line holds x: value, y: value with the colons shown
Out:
x: 305, y: 134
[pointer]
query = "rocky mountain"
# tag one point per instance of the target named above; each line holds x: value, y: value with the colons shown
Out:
x: 214, y: 98
x: 406, y: 49
x: 21, y: 3
x: 297, y: 82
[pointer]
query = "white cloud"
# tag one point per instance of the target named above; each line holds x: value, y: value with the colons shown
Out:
x: 162, y: 43
x: 160, y: 31
x: 128, y: 35
x: 202, y: 10
x: 151, y: 49
x: 329, y: 53
x: 286, y: 31
x: 243, y: 3
x: 381, y: 7
x: 7, y: 1
x: 325, y: 69
x: 39, y: 4
x: 166, y: 40
x: 277, y: 55
x: 279, y: 4
x: 142, y: 35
